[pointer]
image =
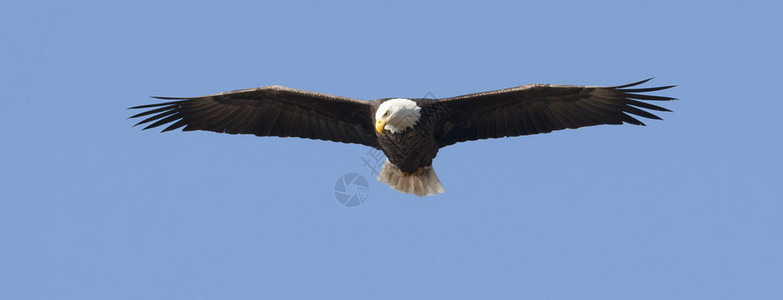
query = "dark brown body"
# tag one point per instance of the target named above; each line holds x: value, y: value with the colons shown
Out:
x: 416, y: 147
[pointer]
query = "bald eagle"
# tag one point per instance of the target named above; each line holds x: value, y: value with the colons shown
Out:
x: 408, y: 131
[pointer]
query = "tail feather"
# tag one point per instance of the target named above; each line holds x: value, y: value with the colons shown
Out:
x: 424, y: 182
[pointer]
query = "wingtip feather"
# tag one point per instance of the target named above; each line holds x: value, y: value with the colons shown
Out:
x: 633, y: 84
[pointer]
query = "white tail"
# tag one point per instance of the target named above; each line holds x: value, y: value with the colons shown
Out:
x: 424, y: 182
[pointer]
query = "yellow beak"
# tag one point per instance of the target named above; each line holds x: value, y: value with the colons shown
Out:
x: 379, y: 126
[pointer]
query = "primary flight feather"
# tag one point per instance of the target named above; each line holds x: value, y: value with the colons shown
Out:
x: 409, y: 131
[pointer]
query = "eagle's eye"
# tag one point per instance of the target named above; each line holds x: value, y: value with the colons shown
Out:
x: 386, y: 114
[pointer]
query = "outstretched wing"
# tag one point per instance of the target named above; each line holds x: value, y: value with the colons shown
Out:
x: 268, y: 111
x: 542, y: 108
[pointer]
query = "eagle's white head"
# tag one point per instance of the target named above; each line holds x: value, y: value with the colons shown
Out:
x: 396, y: 115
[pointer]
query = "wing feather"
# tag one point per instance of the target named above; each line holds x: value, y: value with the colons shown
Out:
x: 641, y: 113
x: 631, y: 120
x: 513, y: 122
x: 162, y: 121
x: 267, y: 111
x: 306, y: 127
x: 155, y: 117
x: 176, y: 125
x: 646, y: 105
x: 542, y: 108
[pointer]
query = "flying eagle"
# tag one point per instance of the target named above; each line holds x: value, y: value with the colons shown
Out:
x: 409, y: 131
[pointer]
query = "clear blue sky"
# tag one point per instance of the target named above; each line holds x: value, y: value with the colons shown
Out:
x: 685, y: 208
